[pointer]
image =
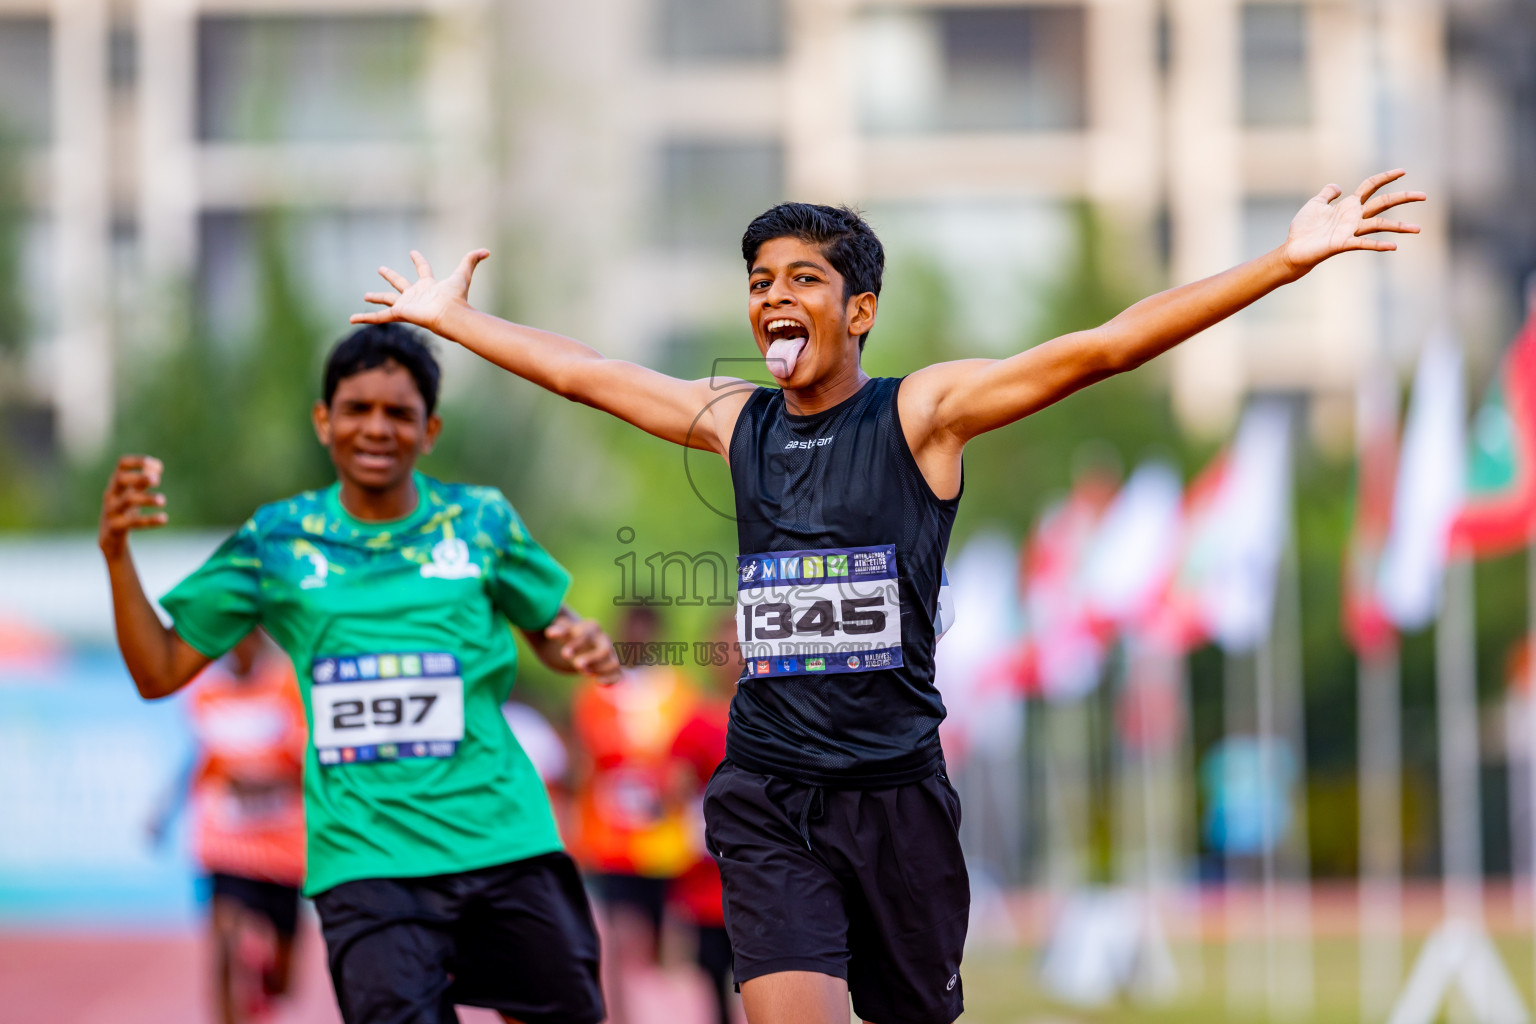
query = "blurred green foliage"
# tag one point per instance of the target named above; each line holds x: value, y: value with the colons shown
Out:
x: 231, y: 422
x: 13, y: 223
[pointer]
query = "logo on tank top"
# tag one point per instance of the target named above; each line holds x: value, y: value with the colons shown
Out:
x: 450, y: 561
x: 319, y: 570
x: 815, y: 442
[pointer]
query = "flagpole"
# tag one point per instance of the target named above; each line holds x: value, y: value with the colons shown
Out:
x: 1530, y: 685
x: 1188, y: 849
x: 1294, y: 998
x: 1530, y: 732
x: 1381, y: 829
x: 1456, y: 685
x: 1264, y: 692
x: 1379, y: 683
x: 1236, y: 713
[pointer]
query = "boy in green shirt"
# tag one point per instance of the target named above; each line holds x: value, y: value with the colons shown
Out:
x: 433, y: 857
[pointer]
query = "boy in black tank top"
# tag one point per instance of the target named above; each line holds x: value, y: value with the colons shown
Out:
x: 835, y: 827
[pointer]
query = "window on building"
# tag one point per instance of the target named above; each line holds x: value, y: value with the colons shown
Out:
x: 1274, y: 55
x: 30, y: 296
x: 122, y: 57
x: 710, y: 190
x: 26, y: 88
x: 310, y: 79
x: 974, y: 69
x: 330, y: 255
x: 716, y: 30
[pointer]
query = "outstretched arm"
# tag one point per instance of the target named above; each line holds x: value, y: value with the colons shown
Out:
x: 696, y: 413
x: 158, y: 659
x: 956, y: 401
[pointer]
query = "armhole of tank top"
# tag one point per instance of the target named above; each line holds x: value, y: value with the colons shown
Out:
x: 906, y: 450
x: 730, y: 449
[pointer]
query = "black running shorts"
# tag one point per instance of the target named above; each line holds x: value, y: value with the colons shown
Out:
x: 863, y: 884
x: 517, y: 938
x: 274, y: 901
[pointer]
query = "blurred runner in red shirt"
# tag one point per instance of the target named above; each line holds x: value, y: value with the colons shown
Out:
x: 248, y: 820
x: 697, y: 751
x: 630, y: 834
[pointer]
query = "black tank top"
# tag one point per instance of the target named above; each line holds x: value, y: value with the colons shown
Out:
x: 815, y: 485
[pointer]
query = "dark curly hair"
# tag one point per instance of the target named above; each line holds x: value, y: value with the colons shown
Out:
x: 373, y: 345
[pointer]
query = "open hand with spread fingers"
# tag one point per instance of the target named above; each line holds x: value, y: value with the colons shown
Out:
x: 130, y: 502
x: 1326, y: 227
x: 424, y: 302
x: 573, y: 644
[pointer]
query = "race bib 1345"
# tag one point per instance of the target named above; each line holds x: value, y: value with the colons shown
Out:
x: 382, y: 707
x: 828, y: 610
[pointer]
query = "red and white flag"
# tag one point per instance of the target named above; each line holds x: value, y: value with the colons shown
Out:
x: 1367, y: 625
x: 1431, y: 478
x: 1251, y: 521
x: 1499, y: 515
x: 1064, y: 651
x: 1182, y: 621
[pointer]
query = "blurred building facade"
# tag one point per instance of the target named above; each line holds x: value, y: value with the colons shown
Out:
x: 610, y: 151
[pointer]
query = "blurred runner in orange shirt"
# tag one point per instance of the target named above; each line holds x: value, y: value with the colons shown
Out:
x: 697, y: 752
x: 248, y: 820
x: 631, y: 836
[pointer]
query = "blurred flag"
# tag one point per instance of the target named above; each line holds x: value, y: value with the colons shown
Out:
x: 981, y: 706
x: 1430, y: 478
x: 1500, y: 510
x: 1063, y: 654
x: 1251, y: 520
x: 1182, y: 621
x: 1366, y: 625
x: 1134, y: 549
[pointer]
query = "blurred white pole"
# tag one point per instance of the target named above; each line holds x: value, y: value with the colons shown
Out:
x: 1530, y: 731
x: 1265, y: 699
x: 1461, y: 820
x: 1381, y: 830
x: 1187, y: 851
x: 83, y: 376
x: 1153, y: 673
x: 1244, y: 971
x: 1291, y: 990
x: 167, y: 179
x: 1530, y: 692
x: 1067, y: 739
x: 1379, y: 673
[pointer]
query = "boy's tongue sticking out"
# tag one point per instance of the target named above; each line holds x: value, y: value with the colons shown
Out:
x: 782, y: 356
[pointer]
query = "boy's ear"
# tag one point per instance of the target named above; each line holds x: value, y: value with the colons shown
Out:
x: 861, y: 313
x: 320, y: 416
x: 434, y: 428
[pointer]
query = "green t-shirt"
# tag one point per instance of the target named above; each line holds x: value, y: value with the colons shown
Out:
x: 399, y: 635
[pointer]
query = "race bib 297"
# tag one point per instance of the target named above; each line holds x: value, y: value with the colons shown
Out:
x: 383, y: 707
x: 819, y: 611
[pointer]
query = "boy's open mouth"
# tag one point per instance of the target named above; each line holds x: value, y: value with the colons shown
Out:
x: 786, y: 340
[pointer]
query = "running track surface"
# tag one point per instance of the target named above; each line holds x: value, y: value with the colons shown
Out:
x: 162, y: 979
